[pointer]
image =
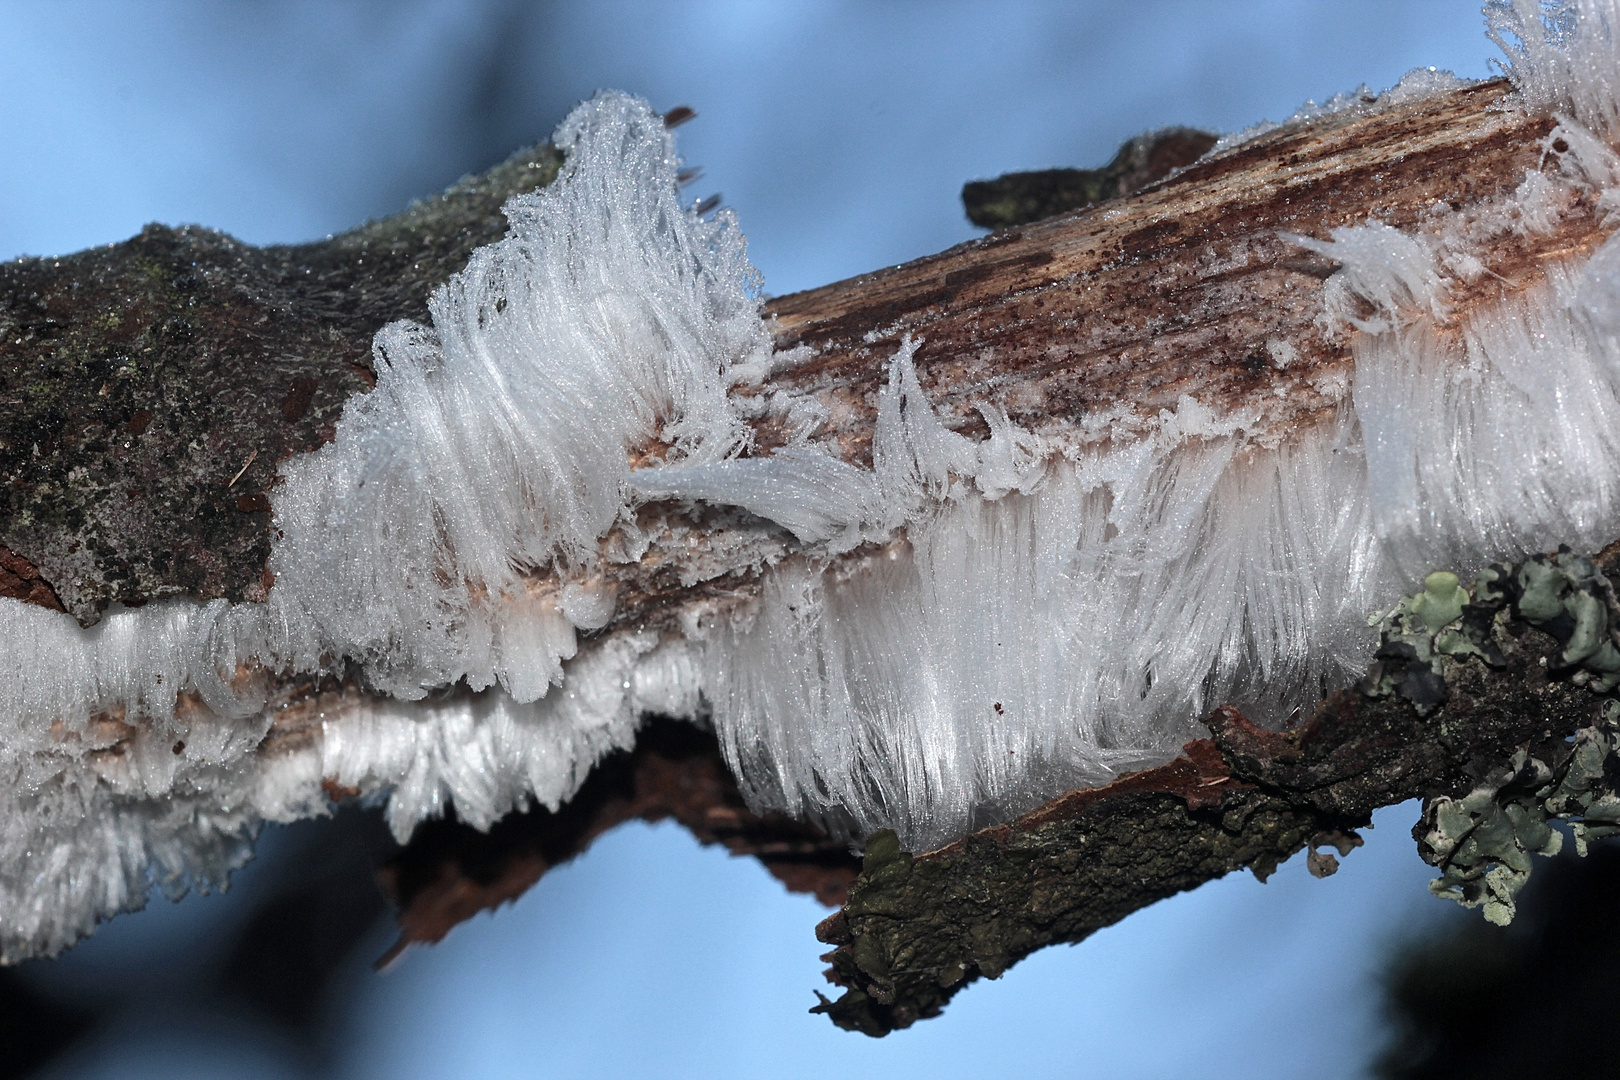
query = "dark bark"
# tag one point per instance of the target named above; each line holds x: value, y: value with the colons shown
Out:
x: 1022, y: 198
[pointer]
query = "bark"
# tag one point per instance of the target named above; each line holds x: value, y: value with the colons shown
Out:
x: 1022, y: 198
x: 149, y: 389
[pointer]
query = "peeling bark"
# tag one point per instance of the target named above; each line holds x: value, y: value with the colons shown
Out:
x: 1176, y: 290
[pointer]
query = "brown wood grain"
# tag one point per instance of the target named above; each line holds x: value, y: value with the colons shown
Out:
x: 1176, y: 290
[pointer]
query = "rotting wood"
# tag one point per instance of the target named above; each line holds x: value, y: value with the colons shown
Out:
x: 1175, y: 290
x: 1118, y: 310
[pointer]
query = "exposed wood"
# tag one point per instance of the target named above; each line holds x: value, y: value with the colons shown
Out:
x: 1176, y: 290
x: 1119, y: 310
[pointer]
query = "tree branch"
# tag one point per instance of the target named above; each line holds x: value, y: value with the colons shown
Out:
x: 1186, y: 288
x: 148, y: 391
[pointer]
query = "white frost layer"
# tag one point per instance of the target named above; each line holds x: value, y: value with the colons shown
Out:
x: 1562, y: 55
x: 1029, y: 616
x: 1415, y: 85
x: 496, y: 442
x: 1020, y: 646
x: 88, y: 828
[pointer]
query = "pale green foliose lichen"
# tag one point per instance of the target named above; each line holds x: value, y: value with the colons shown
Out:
x: 1567, y: 596
x: 1587, y: 793
x: 1440, y: 621
x: 1563, y: 594
x: 1482, y: 843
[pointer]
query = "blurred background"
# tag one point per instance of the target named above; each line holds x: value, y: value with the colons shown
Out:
x: 841, y: 133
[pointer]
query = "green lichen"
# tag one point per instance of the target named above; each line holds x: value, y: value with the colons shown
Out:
x: 1419, y: 633
x: 1586, y: 794
x: 1441, y: 602
x: 1564, y: 595
x: 1573, y: 601
x: 1482, y: 842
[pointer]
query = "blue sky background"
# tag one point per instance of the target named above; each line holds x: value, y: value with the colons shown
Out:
x: 841, y: 134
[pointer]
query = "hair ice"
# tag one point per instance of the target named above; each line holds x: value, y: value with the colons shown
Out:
x: 950, y: 636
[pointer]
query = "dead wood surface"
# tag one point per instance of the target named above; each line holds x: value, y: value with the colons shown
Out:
x: 1176, y: 290
x: 1022, y: 198
x: 149, y: 389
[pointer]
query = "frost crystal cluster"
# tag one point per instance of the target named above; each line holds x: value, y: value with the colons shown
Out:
x: 943, y: 639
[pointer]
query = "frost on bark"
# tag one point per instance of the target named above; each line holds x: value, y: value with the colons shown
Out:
x: 149, y: 389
